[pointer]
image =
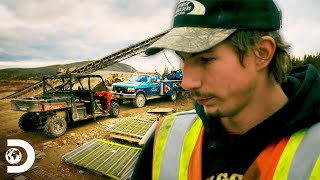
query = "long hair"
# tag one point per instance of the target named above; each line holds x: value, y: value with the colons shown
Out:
x: 280, y: 65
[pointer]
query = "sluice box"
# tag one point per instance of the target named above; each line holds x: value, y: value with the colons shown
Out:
x: 106, y: 158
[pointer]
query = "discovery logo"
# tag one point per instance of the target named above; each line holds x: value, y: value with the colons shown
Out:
x: 14, y: 156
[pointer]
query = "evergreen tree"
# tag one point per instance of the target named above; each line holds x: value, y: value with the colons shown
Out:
x: 313, y: 59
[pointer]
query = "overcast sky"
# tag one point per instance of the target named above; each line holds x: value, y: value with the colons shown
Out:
x: 37, y: 33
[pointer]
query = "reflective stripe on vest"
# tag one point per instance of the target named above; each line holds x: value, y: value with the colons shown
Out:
x: 300, y: 158
x: 295, y: 158
x: 174, y: 145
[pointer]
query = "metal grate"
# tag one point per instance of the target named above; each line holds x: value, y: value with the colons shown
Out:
x: 105, y: 157
x: 131, y: 127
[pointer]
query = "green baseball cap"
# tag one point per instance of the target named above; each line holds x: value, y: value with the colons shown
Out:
x: 201, y: 24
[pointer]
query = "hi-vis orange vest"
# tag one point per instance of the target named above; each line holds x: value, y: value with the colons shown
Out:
x: 178, y: 153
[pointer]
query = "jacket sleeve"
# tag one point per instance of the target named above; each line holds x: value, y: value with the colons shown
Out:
x: 143, y: 167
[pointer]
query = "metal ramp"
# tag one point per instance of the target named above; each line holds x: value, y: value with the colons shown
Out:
x: 104, y: 157
x: 131, y: 130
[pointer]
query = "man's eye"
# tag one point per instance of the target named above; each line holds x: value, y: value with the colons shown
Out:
x: 206, y: 60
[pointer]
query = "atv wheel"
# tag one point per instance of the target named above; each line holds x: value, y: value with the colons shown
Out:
x: 174, y: 95
x: 114, y: 109
x: 139, y: 101
x: 55, y: 126
x: 28, y: 122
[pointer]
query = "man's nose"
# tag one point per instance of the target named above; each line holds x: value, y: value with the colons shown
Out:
x: 191, y: 77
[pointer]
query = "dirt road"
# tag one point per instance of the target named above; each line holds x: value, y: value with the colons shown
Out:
x: 52, y: 165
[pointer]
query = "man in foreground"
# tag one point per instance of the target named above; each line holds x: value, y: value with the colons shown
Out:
x: 255, y: 117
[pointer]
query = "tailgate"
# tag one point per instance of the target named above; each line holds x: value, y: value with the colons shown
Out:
x: 28, y: 105
x: 39, y: 105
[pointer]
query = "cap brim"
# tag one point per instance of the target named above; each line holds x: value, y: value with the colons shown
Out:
x: 189, y: 39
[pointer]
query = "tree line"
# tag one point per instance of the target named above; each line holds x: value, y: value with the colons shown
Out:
x: 313, y: 59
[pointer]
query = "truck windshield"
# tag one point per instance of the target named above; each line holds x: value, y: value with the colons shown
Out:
x: 138, y: 78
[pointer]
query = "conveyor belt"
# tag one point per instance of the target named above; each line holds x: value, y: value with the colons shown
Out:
x: 95, y: 65
x: 104, y: 157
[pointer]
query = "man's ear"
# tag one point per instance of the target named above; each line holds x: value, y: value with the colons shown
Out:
x: 264, y: 51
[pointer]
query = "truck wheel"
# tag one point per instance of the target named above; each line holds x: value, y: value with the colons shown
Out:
x: 28, y: 122
x: 139, y: 101
x: 174, y: 95
x: 114, y: 109
x: 55, y: 126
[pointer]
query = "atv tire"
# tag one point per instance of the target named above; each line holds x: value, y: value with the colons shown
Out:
x: 55, y: 126
x: 114, y: 109
x: 28, y: 122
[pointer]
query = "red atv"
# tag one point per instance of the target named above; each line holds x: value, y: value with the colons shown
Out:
x: 66, y: 98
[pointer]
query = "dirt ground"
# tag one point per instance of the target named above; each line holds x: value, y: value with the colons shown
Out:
x: 52, y: 165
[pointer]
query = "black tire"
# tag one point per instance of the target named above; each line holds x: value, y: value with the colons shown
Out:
x: 28, y: 122
x: 114, y: 109
x: 174, y: 96
x: 117, y: 80
x: 139, y: 101
x: 55, y: 126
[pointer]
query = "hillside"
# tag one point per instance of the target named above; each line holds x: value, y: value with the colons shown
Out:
x: 37, y: 73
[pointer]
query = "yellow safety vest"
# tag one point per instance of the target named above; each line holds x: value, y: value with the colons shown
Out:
x: 178, y: 152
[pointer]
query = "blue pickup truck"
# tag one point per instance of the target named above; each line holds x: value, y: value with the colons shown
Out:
x: 144, y: 86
